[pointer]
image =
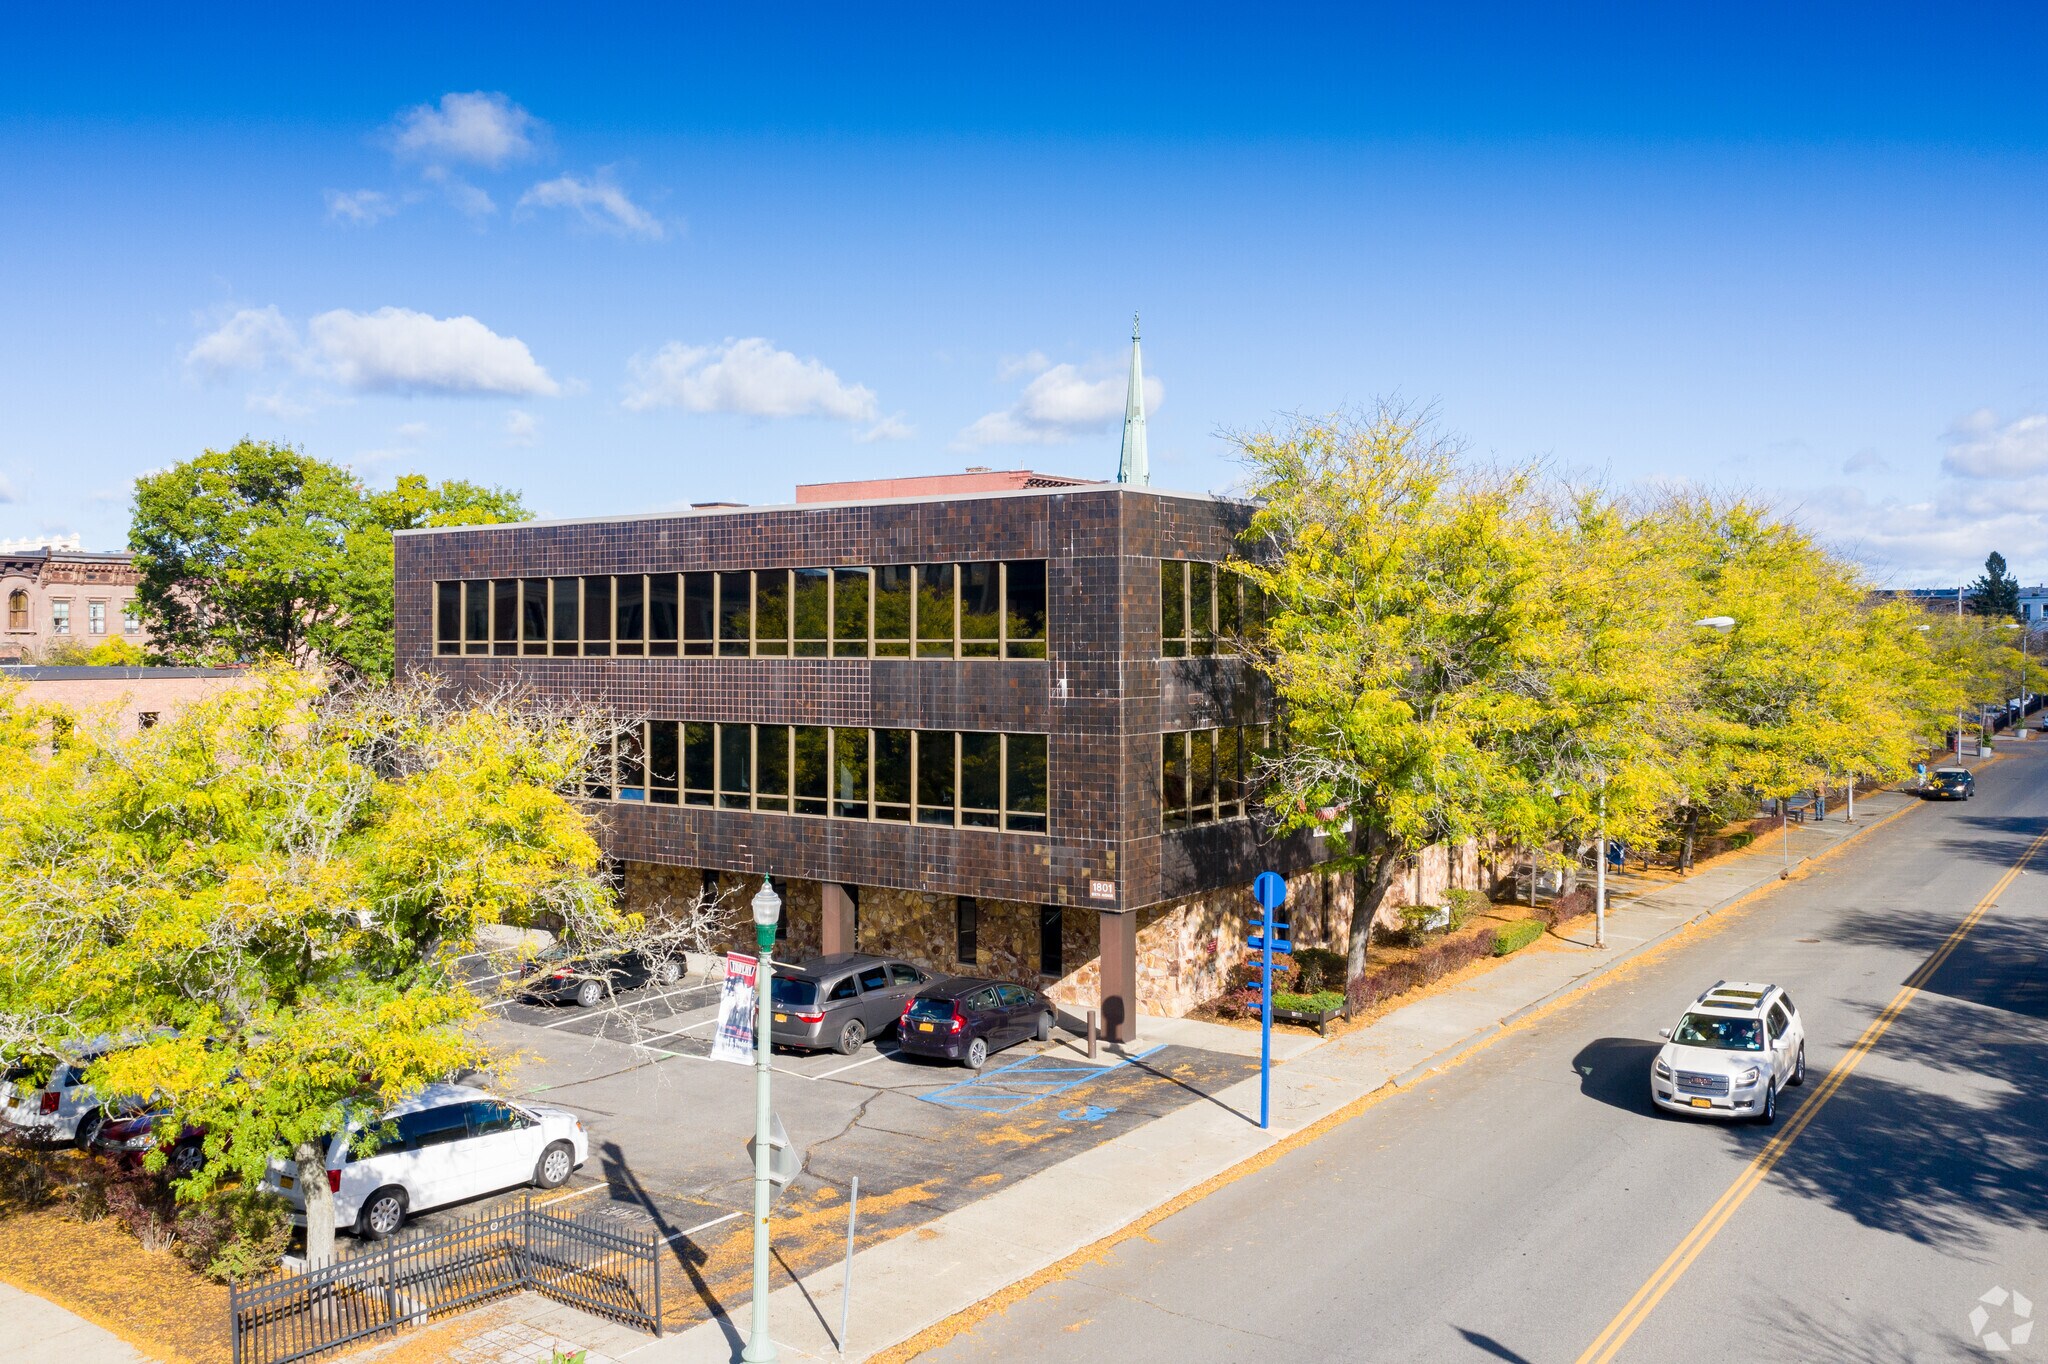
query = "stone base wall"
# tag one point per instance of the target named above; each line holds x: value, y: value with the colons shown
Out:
x: 1186, y: 948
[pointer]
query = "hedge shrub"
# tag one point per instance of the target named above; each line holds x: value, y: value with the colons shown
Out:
x: 1309, y: 1004
x: 1517, y: 936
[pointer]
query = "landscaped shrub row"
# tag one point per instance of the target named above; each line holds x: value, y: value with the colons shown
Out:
x: 1517, y: 936
x: 230, y: 1232
x: 1431, y: 964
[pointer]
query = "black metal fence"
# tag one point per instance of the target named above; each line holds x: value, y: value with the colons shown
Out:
x: 286, y: 1316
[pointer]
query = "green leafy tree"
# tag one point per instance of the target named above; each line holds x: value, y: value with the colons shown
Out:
x: 1997, y: 593
x: 268, y: 892
x: 264, y: 550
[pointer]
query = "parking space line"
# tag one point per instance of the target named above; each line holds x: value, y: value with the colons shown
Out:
x: 993, y: 1101
x: 701, y: 1226
x: 616, y: 1005
x: 577, y: 1193
x: 879, y: 1055
x: 664, y: 1036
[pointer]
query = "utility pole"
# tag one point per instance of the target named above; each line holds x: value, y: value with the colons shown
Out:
x: 767, y: 908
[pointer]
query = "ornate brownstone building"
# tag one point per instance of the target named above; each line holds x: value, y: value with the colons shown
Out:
x: 56, y: 594
x: 995, y: 731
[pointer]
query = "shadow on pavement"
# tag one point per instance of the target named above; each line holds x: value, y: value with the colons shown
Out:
x: 1940, y: 1158
x: 689, y: 1257
x: 1616, y: 1071
x: 1488, y: 1345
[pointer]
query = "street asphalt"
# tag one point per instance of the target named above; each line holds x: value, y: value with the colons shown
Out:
x: 1529, y: 1204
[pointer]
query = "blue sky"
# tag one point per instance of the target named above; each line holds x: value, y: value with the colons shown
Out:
x: 647, y: 257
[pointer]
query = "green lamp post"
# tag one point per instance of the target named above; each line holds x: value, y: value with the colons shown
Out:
x: 767, y: 911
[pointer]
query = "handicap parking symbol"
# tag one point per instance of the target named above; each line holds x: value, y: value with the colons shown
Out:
x: 1090, y: 1113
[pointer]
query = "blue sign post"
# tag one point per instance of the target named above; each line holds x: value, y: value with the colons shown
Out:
x: 1270, y: 890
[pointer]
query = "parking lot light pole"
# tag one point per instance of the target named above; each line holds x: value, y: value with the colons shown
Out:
x: 767, y: 911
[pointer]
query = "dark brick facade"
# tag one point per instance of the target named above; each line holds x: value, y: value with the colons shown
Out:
x: 1103, y: 694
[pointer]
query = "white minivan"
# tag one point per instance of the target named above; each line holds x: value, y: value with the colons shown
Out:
x: 444, y: 1144
x: 61, y: 1109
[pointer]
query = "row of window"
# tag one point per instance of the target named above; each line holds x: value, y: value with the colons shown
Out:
x: 958, y: 610
x: 60, y: 615
x: 961, y: 779
x: 1200, y: 603
x: 1206, y: 774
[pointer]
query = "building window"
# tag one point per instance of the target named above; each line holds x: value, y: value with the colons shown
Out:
x: 17, y: 610
x: 96, y: 618
x: 60, y: 617
x: 985, y: 609
x: 947, y: 778
x: 1051, y: 958
x: 966, y: 915
x: 1204, y: 774
x: 1201, y: 603
x: 131, y: 618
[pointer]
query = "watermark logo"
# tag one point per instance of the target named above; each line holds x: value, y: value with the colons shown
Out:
x: 2002, y: 1319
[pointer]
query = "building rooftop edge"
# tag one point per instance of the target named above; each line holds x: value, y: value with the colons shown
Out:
x: 690, y: 512
x: 92, y: 672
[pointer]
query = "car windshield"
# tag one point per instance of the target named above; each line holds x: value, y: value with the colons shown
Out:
x: 1727, y: 1034
x: 794, y: 991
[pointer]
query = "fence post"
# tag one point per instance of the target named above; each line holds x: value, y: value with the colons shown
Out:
x: 654, y: 1263
x: 391, y: 1281
x: 234, y: 1321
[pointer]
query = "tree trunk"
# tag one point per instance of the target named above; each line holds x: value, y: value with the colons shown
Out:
x: 1692, y: 823
x: 1369, y: 882
x: 312, y: 1166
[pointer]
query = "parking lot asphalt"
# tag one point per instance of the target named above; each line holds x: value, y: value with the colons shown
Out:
x: 668, y: 1128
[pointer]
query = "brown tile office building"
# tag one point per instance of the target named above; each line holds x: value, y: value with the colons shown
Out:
x: 988, y: 731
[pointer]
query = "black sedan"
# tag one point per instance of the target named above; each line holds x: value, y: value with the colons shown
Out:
x: 559, y: 977
x: 964, y: 1019
x: 1950, y: 783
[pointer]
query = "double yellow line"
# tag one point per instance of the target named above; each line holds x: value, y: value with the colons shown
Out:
x: 1639, y: 1307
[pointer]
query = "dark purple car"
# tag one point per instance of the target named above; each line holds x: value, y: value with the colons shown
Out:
x: 964, y: 1019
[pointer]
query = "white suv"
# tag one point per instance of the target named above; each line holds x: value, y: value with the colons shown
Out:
x: 1731, y: 1053
x: 62, y: 1109
x: 444, y: 1144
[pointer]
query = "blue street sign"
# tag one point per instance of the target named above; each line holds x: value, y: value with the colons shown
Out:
x: 1257, y: 942
x: 1270, y: 890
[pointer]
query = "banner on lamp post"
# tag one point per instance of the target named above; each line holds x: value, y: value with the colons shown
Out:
x: 737, y: 1008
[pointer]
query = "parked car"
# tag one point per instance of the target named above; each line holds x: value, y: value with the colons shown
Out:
x: 60, y: 1109
x: 1731, y: 1053
x: 128, y: 1130
x: 1950, y: 783
x: 443, y: 1145
x: 841, y: 1001
x: 964, y: 1019
x: 560, y: 977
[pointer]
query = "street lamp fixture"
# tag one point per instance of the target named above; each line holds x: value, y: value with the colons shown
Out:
x: 767, y: 906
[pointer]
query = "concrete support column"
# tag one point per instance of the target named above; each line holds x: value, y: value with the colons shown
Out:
x: 837, y: 932
x: 1119, y: 977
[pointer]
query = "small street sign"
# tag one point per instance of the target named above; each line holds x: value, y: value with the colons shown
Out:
x: 1257, y: 942
x: 783, y: 1161
x: 1270, y: 890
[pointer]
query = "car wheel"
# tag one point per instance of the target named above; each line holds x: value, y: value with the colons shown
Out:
x: 590, y: 993
x: 557, y: 1163
x: 1770, y: 1113
x: 187, y: 1158
x: 1044, y: 1031
x: 1799, y: 1066
x: 850, y: 1038
x: 88, y: 1128
x: 383, y: 1213
x: 669, y: 972
x: 977, y: 1054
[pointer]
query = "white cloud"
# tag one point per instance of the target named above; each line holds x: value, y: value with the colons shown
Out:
x: 888, y: 428
x: 482, y: 128
x: 359, y: 207
x: 248, y: 340
x: 521, y: 428
x: 599, y: 201
x: 1978, y: 447
x: 1017, y: 366
x: 1866, y: 461
x: 390, y: 350
x: 1056, y: 406
x: 748, y: 376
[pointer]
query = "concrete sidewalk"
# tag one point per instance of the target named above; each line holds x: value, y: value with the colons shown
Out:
x: 966, y: 1257
x: 46, y: 1331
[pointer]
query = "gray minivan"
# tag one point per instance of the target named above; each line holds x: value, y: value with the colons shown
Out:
x: 841, y: 1001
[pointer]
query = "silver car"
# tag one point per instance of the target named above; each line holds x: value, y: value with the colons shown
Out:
x: 841, y: 1001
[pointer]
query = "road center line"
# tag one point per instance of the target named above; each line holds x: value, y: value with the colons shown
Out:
x: 1646, y: 1298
